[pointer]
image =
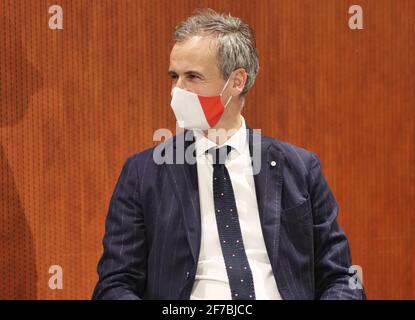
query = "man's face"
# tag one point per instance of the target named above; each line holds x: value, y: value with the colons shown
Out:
x: 193, y: 66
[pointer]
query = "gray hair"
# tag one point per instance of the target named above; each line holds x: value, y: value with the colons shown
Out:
x: 235, y: 42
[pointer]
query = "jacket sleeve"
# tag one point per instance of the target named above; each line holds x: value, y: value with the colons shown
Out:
x: 334, y: 276
x: 122, y: 267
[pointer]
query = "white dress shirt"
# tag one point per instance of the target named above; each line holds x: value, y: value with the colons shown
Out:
x: 211, y: 281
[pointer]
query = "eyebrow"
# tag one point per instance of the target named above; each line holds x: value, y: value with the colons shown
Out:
x: 190, y: 72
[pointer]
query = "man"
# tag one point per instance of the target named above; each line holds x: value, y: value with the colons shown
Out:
x: 246, y: 219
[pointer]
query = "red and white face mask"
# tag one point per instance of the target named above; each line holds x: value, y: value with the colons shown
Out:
x: 194, y: 111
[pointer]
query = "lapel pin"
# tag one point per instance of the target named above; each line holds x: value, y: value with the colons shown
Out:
x: 273, y: 163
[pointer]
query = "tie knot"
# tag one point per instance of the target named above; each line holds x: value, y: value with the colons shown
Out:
x: 219, y: 155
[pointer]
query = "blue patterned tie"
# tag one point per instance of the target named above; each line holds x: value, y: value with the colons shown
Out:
x: 236, y: 262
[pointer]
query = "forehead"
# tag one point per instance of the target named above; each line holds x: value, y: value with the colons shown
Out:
x: 196, y: 53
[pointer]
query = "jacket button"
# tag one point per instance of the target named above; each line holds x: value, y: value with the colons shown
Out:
x: 273, y: 163
x: 187, y: 275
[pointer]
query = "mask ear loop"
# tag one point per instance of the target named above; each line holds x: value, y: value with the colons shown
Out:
x: 226, y: 84
x: 227, y: 102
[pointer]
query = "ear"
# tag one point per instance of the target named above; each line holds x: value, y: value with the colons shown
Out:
x: 238, y: 82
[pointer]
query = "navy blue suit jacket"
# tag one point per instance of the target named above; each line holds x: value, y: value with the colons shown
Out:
x: 153, y: 227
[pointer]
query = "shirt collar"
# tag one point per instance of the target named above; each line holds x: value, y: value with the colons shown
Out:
x: 237, y: 141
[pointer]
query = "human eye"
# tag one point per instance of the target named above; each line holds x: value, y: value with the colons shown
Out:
x: 173, y: 76
x: 193, y: 77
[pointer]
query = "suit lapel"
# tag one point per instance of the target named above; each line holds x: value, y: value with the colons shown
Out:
x: 268, y: 187
x: 185, y: 186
